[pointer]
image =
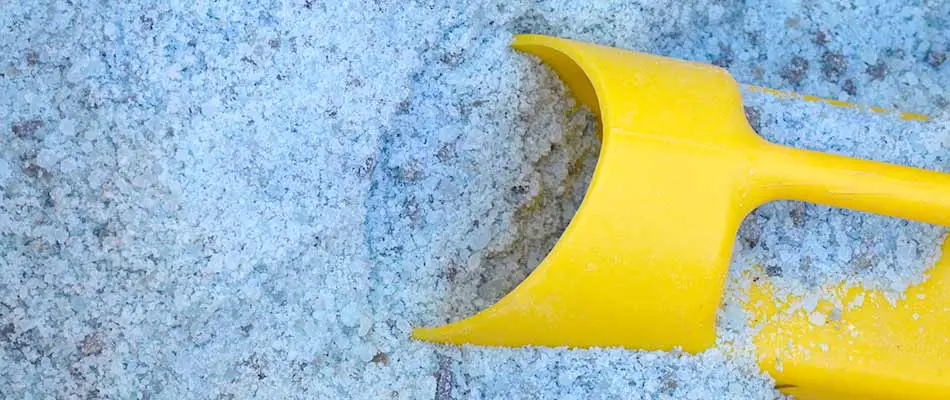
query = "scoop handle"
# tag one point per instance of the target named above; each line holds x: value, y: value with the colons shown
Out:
x: 881, y: 188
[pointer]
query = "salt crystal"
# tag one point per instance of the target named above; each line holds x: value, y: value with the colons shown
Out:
x: 403, y: 326
x: 47, y: 158
x: 697, y: 393
x: 211, y: 106
x: 817, y: 318
x: 735, y: 387
x: 858, y: 301
x: 349, y: 315
x: 810, y: 302
x: 365, y: 352
x: 109, y: 30
x: 5, y: 170
x: 67, y: 127
x: 366, y: 322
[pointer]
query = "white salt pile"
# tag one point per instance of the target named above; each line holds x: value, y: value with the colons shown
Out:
x: 250, y: 199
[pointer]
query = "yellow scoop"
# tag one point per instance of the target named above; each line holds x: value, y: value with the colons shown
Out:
x: 644, y: 261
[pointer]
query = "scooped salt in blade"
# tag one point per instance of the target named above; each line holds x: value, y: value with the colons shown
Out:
x: 644, y: 261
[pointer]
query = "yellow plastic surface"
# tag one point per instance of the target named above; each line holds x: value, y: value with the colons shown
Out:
x: 643, y: 263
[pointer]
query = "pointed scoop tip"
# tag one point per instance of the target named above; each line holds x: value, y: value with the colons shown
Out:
x: 425, y: 334
x: 440, y: 334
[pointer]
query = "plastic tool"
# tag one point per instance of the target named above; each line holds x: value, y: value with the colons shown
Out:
x: 643, y: 263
